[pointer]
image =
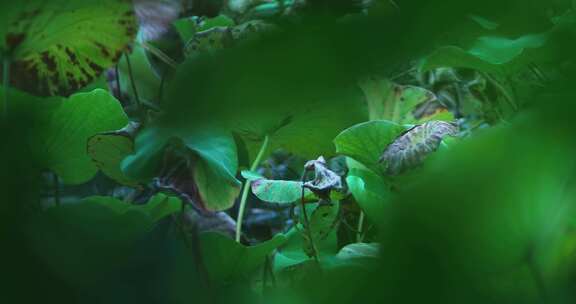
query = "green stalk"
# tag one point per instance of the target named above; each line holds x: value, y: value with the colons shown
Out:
x: 359, y: 231
x: 138, y: 103
x: 246, y: 189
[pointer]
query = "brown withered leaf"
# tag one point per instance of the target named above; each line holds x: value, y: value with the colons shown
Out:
x: 325, y: 180
x: 411, y: 148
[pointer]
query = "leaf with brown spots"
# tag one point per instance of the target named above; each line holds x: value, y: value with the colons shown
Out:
x: 411, y: 148
x: 57, y: 47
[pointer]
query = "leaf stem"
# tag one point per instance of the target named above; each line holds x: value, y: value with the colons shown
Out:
x: 246, y: 189
x: 134, y: 89
x: 503, y: 91
x: 307, y: 221
x: 360, y: 232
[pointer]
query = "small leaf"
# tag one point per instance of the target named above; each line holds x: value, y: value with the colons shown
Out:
x: 107, y: 151
x: 218, y: 21
x: 411, y: 148
x: 279, y: 191
x: 251, y: 175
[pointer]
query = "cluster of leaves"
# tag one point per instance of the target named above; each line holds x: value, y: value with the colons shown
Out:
x: 183, y: 109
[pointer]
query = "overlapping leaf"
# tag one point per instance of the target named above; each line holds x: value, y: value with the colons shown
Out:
x: 203, y: 167
x: 67, y: 125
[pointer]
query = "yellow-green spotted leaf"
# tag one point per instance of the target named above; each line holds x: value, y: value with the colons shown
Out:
x: 57, y: 47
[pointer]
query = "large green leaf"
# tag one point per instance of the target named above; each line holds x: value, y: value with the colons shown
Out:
x: 365, y: 142
x: 67, y: 125
x: 57, y: 47
x: 84, y: 242
x: 497, y: 209
x: 213, y: 168
x: 226, y: 259
x: 300, y: 112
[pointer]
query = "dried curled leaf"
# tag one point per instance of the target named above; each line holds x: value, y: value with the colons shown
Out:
x: 411, y: 148
x: 324, y: 180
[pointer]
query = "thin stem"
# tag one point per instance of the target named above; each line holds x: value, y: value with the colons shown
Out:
x: 6, y: 84
x: 118, y: 85
x: 159, y: 54
x: 359, y: 232
x: 307, y: 221
x: 246, y: 189
x: 134, y: 89
x: 502, y: 90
